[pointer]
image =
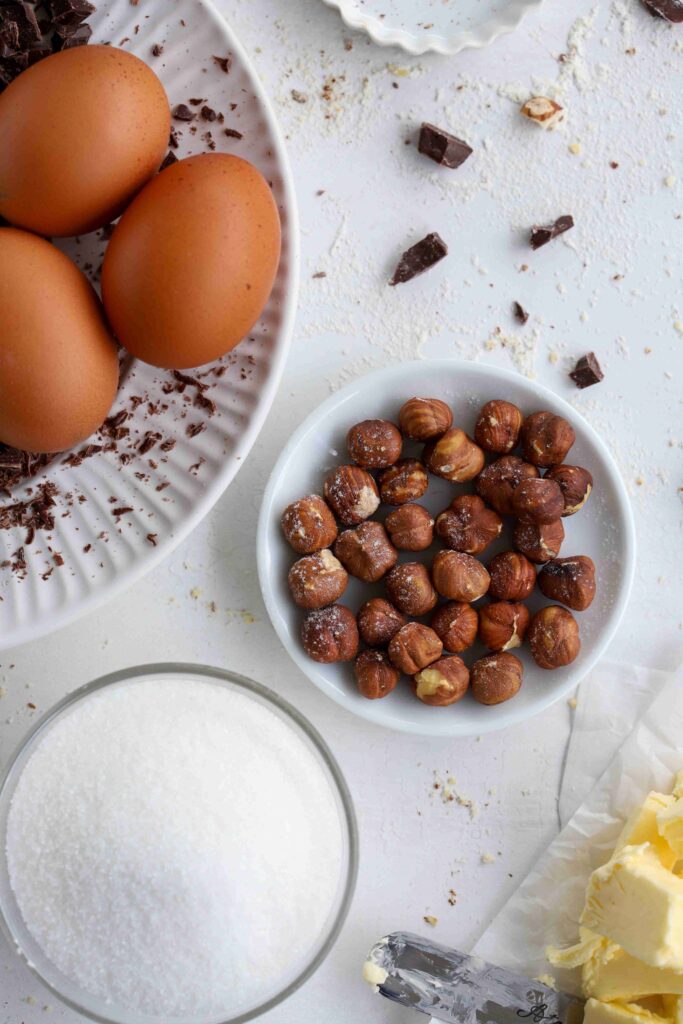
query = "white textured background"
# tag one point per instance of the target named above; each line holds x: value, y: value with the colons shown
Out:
x: 613, y: 285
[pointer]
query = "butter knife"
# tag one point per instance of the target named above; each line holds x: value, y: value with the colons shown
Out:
x: 452, y: 986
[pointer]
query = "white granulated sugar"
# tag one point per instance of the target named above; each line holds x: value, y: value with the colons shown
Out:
x: 175, y: 848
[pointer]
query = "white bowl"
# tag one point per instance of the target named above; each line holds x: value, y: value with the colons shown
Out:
x: 432, y: 26
x: 604, y: 530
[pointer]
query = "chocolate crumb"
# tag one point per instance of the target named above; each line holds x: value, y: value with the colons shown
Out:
x: 169, y: 159
x: 157, y: 50
x: 193, y: 429
x: 587, y: 371
x: 152, y: 538
x: 224, y: 63
x: 207, y: 114
x: 182, y: 112
x: 519, y: 312
x: 299, y: 97
x: 541, y: 235
x: 319, y: 273
x: 419, y: 257
x: 232, y: 133
x: 122, y: 510
x: 442, y: 147
x: 196, y: 101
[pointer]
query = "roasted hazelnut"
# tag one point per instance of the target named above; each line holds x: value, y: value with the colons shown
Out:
x: 366, y: 551
x: 454, y: 456
x: 513, y: 576
x: 443, y: 682
x: 576, y: 485
x: 379, y: 621
x: 308, y: 525
x: 468, y: 525
x: 410, y: 527
x: 410, y: 588
x: 459, y: 577
x: 455, y: 623
x: 330, y: 634
x: 406, y: 481
x: 569, y: 580
x: 546, y: 438
x: 414, y: 647
x: 317, y: 580
x: 502, y: 625
x: 497, y: 483
x: 539, y: 541
x: 554, y: 637
x: 496, y: 678
x: 538, y: 500
x: 352, y: 494
x: 374, y: 444
x: 543, y: 111
x: 498, y: 426
x: 424, y: 418
x: 375, y: 675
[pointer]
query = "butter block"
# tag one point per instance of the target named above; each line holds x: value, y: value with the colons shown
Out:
x: 670, y: 825
x: 620, y: 1013
x: 623, y: 978
x: 636, y: 903
x: 673, y: 1007
x: 589, y: 947
x: 643, y: 827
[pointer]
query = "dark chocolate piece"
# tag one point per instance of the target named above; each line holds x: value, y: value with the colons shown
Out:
x: 15, y: 12
x: 669, y: 10
x: 157, y: 50
x: 232, y: 133
x: 420, y: 257
x: 169, y: 159
x: 541, y: 235
x: 519, y: 312
x: 70, y: 12
x: 9, y: 38
x: 74, y: 35
x: 224, y: 63
x: 587, y: 371
x: 442, y: 147
x: 207, y: 114
x: 37, y: 53
x: 182, y: 113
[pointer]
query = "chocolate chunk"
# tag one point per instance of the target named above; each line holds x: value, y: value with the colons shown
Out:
x: 224, y: 63
x: 157, y: 50
x: 183, y: 113
x: 21, y: 15
x: 442, y: 147
x: 70, y: 12
x: 542, y: 235
x: 9, y: 38
x: 587, y: 371
x: 74, y: 35
x: 520, y: 313
x: 169, y: 159
x: 669, y: 10
x: 419, y: 257
x: 207, y: 114
x: 232, y: 133
x: 37, y: 53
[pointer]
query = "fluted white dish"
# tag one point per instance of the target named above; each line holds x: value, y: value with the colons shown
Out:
x: 103, y: 553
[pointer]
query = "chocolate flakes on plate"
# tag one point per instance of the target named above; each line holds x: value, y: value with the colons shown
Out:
x: 541, y: 235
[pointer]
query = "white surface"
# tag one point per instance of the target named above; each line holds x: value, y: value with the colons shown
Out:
x: 165, y: 493
x: 603, y: 531
x: 379, y: 196
x: 432, y: 26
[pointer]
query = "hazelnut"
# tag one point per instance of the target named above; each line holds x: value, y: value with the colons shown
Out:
x: 352, y: 494
x: 424, y: 418
x: 410, y: 527
x: 375, y: 675
x: 410, y: 588
x: 513, y: 576
x: 330, y: 634
x: 309, y: 525
x: 455, y: 623
x: 317, y: 580
x: 468, y: 525
x: 554, y: 637
x: 569, y: 580
x: 366, y: 551
x: 546, y: 438
x: 406, y: 481
x: 497, y: 482
x: 502, y: 625
x: 414, y: 647
x: 543, y: 111
x: 539, y: 541
x: 498, y: 426
x: 459, y: 577
x: 576, y: 485
x: 538, y: 500
x: 443, y: 682
x: 379, y: 621
x: 496, y: 678
x: 454, y: 456
x: 374, y: 444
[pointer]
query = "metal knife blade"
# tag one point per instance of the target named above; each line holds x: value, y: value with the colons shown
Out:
x: 452, y: 986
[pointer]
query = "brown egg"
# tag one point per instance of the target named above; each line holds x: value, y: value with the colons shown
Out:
x: 58, y: 362
x: 192, y: 261
x: 82, y: 131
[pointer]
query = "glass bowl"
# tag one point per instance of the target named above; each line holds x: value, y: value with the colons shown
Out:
x: 97, y: 1009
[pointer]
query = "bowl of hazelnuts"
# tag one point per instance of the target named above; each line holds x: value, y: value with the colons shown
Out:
x: 445, y: 548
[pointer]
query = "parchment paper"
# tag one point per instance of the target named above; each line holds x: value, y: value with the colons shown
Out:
x: 546, y: 908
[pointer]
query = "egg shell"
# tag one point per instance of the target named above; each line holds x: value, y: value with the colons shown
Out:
x: 192, y: 261
x: 59, y: 367
x: 82, y: 131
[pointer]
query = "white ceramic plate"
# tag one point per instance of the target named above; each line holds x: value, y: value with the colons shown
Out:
x: 603, y: 530
x: 438, y: 26
x: 168, y: 492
